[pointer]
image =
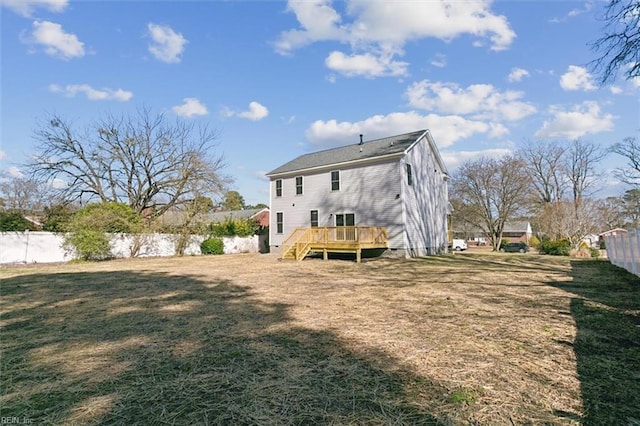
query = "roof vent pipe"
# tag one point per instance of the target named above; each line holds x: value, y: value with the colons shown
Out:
x: 361, y: 142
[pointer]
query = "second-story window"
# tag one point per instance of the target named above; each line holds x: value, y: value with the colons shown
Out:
x: 299, y: 185
x: 335, y: 180
x: 409, y: 175
x: 279, y: 188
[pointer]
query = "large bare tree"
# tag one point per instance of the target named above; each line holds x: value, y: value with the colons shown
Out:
x: 619, y: 47
x: 489, y: 192
x: 630, y: 149
x: 581, y: 161
x: 544, y: 161
x: 145, y: 160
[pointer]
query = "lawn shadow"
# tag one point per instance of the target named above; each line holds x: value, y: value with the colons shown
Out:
x: 152, y: 348
x: 606, y: 310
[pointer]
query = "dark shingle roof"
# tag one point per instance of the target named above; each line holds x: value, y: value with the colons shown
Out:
x: 370, y: 149
x: 218, y: 217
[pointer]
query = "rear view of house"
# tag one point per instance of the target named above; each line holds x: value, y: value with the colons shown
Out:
x: 396, y: 186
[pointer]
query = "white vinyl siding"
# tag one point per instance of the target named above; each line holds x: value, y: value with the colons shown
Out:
x: 425, y: 202
x: 372, y: 193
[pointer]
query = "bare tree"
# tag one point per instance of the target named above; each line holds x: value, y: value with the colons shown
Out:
x: 612, y: 212
x: 490, y: 192
x: 143, y: 160
x: 561, y: 220
x: 619, y: 47
x: 544, y: 161
x: 25, y: 195
x: 630, y: 149
x: 580, y: 167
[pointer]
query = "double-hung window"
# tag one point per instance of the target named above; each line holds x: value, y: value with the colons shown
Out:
x: 335, y: 180
x: 409, y: 175
x: 279, y: 223
x: 279, y: 188
x: 299, y: 185
x: 314, y: 218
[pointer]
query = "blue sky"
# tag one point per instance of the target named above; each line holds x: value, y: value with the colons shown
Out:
x: 278, y: 79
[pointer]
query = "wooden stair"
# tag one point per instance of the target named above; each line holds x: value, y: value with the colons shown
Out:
x: 347, y: 239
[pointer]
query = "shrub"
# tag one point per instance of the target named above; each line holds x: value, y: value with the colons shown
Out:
x: 595, y: 253
x: 534, y: 242
x: 234, y: 227
x: 89, y: 226
x: 212, y: 246
x: 14, y: 221
x: 555, y: 248
x: 90, y: 244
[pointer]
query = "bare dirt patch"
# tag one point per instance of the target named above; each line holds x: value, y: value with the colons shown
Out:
x: 249, y: 339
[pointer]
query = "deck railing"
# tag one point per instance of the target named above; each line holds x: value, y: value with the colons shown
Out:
x: 302, y: 240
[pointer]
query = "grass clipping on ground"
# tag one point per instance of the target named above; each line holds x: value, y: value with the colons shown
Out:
x: 248, y: 339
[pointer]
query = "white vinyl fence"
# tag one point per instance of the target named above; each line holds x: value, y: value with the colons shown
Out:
x: 623, y: 250
x: 47, y: 247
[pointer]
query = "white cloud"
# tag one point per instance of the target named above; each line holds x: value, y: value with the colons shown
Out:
x: 367, y: 65
x: 3, y: 155
x: 55, y: 41
x: 582, y: 119
x: 255, y: 112
x: 577, y: 78
x: 517, y: 74
x: 104, y: 94
x: 167, y: 45
x: 190, y: 107
x: 480, y: 101
x: 13, y: 172
x: 439, y: 60
x: 395, y: 23
x: 450, y: 128
x: 616, y: 90
x: 27, y: 7
x: 586, y: 8
x: 378, y: 30
x: 453, y: 159
x: 261, y: 175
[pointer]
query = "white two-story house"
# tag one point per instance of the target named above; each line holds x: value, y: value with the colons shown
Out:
x: 398, y: 182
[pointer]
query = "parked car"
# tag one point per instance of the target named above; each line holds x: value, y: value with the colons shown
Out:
x: 514, y: 248
x: 459, y: 245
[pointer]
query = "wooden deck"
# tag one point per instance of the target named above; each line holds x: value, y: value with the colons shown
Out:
x: 341, y: 239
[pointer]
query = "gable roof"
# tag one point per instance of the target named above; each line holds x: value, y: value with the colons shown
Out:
x: 218, y: 217
x: 367, y: 150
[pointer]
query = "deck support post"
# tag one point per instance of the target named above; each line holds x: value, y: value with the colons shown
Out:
x: 358, y: 255
x: 325, y: 254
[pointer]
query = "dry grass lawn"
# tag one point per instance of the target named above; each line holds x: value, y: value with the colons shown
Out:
x: 482, y: 339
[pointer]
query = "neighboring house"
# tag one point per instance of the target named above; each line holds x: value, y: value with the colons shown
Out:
x: 615, y: 231
x: 517, y: 231
x: 398, y: 182
x: 261, y: 216
x: 176, y: 217
x: 512, y: 232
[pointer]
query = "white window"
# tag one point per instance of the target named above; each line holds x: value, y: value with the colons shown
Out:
x: 335, y: 180
x: 279, y: 223
x: 299, y: 185
x: 279, y: 188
